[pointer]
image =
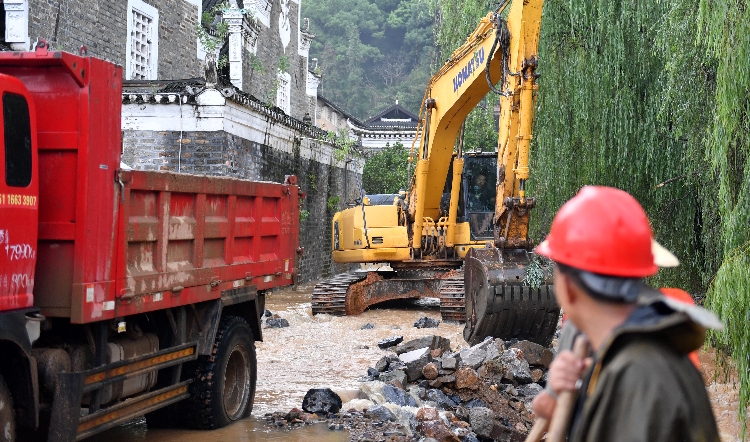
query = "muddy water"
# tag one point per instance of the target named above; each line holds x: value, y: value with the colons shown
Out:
x: 334, y: 352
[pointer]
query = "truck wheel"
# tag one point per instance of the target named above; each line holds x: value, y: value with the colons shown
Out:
x: 7, y: 414
x: 224, y: 385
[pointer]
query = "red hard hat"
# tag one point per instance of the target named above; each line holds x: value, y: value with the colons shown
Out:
x: 602, y: 230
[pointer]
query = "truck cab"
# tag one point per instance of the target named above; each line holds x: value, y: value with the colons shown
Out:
x: 19, y: 189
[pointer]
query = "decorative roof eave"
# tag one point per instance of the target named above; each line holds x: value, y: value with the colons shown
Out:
x: 381, y: 131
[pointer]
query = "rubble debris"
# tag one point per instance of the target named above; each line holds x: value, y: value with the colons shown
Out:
x: 277, y: 323
x: 390, y: 342
x: 425, y: 322
x: 321, y: 400
x: 368, y: 326
x: 432, y: 342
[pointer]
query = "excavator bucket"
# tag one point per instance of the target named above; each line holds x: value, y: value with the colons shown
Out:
x: 501, y: 303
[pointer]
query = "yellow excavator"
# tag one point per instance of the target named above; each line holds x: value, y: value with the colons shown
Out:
x: 461, y: 231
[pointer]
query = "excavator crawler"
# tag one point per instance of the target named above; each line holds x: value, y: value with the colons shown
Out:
x: 460, y: 233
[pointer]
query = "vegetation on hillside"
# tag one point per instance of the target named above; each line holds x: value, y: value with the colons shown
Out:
x: 371, y: 52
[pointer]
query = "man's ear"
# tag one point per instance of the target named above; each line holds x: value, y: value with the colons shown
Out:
x: 567, y: 288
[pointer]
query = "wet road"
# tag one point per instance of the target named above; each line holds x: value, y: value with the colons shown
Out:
x: 335, y: 352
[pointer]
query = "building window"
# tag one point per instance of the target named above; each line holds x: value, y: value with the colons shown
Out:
x: 283, y: 91
x: 143, y: 41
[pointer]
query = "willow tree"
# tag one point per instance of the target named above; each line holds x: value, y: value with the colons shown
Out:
x: 727, y: 36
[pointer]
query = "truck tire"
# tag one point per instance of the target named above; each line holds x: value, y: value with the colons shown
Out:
x: 224, y: 385
x: 7, y: 414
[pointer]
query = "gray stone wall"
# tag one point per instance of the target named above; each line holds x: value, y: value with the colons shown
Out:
x: 101, y: 26
x: 262, y: 85
x: 220, y: 153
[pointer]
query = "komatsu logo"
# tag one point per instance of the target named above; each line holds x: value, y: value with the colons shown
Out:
x: 467, y: 71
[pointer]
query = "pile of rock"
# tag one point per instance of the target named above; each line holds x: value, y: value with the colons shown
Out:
x: 482, y: 392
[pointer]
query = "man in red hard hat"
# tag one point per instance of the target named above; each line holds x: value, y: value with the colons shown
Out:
x: 641, y: 385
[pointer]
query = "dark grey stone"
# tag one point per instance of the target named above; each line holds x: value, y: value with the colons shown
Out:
x: 277, y: 323
x: 368, y: 326
x: 321, y: 400
x: 390, y: 342
x: 425, y: 322
x: 441, y: 399
x: 471, y: 437
x: 530, y: 390
x: 475, y: 403
x: 393, y: 375
x: 379, y: 412
x: 267, y: 313
x: 398, y: 396
x: 432, y: 342
x: 373, y: 373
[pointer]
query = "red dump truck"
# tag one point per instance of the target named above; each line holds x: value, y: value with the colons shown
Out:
x: 122, y: 292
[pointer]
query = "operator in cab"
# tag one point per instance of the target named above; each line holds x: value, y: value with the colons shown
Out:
x: 640, y: 383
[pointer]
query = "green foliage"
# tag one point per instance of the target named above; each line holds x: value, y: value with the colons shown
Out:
x: 303, y: 215
x: 211, y: 20
x: 283, y: 64
x: 333, y: 203
x: 385, y: 171
x: 727, y: 297
x: 343, y: 145
x: 371, y: 52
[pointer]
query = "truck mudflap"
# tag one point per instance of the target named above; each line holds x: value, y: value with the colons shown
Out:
x: 67, y: 424
x: 501, y: 303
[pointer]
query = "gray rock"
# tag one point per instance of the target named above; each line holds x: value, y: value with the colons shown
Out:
x: 367, y: 326
x: 473, y: 357
x: 440, y: 399
x: 482, y: 420
x: 384, y: 363
x: 515, y: 366
x: 267, y: 313
x: 530, y: 390
x: 381, y: 413
x: 277, y: 323
x: 415, y: 361
x: 390, y: 342
x: 373, y: 373
x: 398, y: 396
x: 448, y: 363
x: 425, y: 322
x: 391, y: 375
x: 321, y: 400
x: 431, y: 341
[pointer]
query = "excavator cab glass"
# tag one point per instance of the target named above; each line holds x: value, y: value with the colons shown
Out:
x: 479, y: 186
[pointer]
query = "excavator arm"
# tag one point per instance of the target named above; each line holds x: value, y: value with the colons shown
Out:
x: 499, y: 50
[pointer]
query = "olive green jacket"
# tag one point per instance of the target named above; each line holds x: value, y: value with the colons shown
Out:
x: 642, y: 387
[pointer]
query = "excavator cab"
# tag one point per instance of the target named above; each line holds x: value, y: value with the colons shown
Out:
x: 479, y: 184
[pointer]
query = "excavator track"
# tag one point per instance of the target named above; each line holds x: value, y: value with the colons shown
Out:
x: 453, y: 299
x: 329, y: 296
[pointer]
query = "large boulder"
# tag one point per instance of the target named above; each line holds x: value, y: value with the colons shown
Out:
x: 431, y: 341
x: 321, y: 401
x: 394, y: 375
x: 390, y: 342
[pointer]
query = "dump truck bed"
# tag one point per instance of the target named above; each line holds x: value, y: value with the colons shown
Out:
x: 112, y: 243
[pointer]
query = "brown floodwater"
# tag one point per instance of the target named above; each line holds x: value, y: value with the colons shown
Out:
x: 335, y: 352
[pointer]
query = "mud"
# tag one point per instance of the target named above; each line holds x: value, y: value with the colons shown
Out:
x: 334, y: 352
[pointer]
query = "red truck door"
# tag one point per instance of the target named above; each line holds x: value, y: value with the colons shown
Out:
x: 19, y: 191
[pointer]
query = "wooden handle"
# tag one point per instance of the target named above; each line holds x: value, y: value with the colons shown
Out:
x: 537, y: 431
x: 566, y: 399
